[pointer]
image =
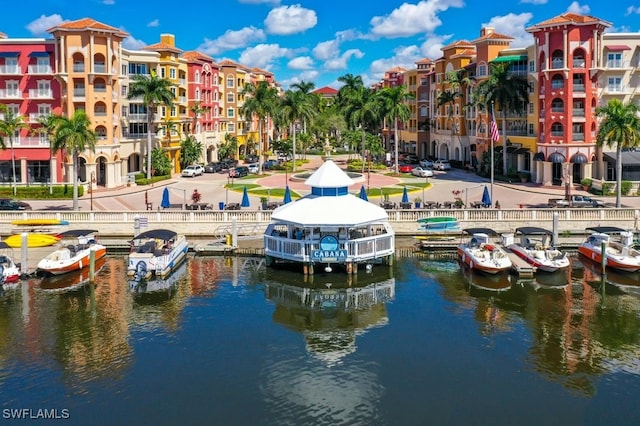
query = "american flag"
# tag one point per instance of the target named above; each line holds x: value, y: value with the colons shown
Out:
x: 495, y: 136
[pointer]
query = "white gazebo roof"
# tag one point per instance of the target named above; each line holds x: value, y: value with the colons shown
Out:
x: 321, y: 208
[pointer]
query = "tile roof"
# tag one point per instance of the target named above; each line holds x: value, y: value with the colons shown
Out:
x: 326, y: 90
x: 493, y: 36
x: 570, y: 18
x: 162, y: 46
x: 87, y: 24
x: 459, y: 44
x: 194, y: 55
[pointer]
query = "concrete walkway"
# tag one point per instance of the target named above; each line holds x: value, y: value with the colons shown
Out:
x: 211, y: 186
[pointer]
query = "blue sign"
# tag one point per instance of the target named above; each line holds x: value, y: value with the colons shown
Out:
x: 329, y: 251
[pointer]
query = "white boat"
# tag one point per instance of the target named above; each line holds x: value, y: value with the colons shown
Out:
x: 157, y: 252
x: 9, y: 272
x: 480, y: 254
x: 619, y: 252
x: 535, y: 246
x: 74, y: 253
x: 156, y: 284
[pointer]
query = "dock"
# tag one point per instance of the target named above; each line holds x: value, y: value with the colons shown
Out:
x: 520, y: 266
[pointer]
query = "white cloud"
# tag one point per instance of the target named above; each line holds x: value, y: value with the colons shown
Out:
x: 576, y: 8
x: 341, y: 62
x: 512, y: 25
x: 411, y: 19
x: 231, y: 40
x: 154, y: 23
x: 133, y: 43
x: 326, y: 50
x: 632, y: 10
x: 262, y: 55
x: 109, y: 2
x: 534, y: 1
x: 432, y: 47
x: 404, y: 56
x: 307, y: 76
x: 43, y: 23
x: 301, y: 63
x: 286, y: 20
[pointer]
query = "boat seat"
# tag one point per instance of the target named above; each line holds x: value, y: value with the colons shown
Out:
x: 71, y: 248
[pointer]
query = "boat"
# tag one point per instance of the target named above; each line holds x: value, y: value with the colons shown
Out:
x: 619, y: 252
x: 439, y: 224
x: 478, y: 253
x: 535, y: 246
x: 72, y: 281
x: 9, y: 272
x: 74, y: 254
x: 156, y: 252
x: 141, y: 285
x: 34, y: 239
x: 39, y: 222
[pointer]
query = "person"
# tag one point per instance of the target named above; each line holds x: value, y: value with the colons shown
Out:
x: 497, y: 204
x: 195, y: 197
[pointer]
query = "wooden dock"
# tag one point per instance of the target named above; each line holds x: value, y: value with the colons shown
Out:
x: 520, y: 266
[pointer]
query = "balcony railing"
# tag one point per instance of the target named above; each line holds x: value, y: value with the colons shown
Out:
x: 32, y: 141
x: 40, y: 94
x: 79, y: 93
x: 577, y: 136
x: 78, y: 68
x: 578, y: 112
x: 617, y: 63
x: 10, y: 94
x: 40, y: 69
x: 35, y: 116
x: 557, y: 63
x: 10, y: 69
x: 578, y: 87
x: 579, y: 63
x: 100, y: 68
x: 557, y: 133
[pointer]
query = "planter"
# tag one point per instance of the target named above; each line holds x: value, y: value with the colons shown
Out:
x: 418, y: 205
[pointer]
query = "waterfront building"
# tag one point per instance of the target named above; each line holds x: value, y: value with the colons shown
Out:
x: 423, y: 106
x: 29, y: 89
x: 329, y: 227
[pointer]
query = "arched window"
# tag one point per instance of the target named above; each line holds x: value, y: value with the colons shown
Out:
x: 557, y: 105
x: 557, y: 81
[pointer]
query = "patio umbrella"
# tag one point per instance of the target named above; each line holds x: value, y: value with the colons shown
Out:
x: 287, y: 195
x: 363, y: 193
x: 245, y: 198
x: 486, y: 198
x: 405, y: 195
x: 165, y: 204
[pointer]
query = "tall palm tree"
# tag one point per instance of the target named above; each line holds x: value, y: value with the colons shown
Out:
x: 260, y: 101
x: 620, y: 126
x: 47, y: 128
x: 74, y: 135
x: 362, y: 111
x: 197, y: 110
x: 154, y: 91
x: 294, y: 106
x: 9, y: 126
x: 395, y: 108
x: 510, y: 91
x: 306, y: 88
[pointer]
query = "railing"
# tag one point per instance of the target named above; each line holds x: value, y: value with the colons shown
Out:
x: 40, y: 69
x: 40, y: 94
x: 10, y: 69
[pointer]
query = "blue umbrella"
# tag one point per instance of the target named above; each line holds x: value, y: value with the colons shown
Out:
x: 486, y: 198
x: 363, y: 193
x: 165, y: 204
x: 245, y: 198
x: 287, y: 195
x: 405, y: 195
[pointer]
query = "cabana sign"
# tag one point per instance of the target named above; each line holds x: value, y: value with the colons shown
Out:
x: 329, y: 251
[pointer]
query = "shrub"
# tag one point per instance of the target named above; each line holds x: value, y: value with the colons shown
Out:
x: 625, y: 187
x: 586, y: 182
x: 606, y: 188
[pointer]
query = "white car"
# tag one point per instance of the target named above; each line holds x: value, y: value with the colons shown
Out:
x: 426, y: 164
x: 422, y: 172
x: 254, y: 168
x: 441, y: 165
x: 193, y: 170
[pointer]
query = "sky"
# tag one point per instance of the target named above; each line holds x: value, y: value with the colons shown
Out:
x: 313, y: 40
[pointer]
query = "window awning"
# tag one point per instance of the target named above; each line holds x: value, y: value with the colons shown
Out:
x: 510, y: 58
x: 617, y: 47
x: 9, y: 54
x: 579, y: 158
x: 538, y: 156
x: 39, y: 54
x: 556, y: 157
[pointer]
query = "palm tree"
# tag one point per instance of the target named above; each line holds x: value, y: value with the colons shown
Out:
x: 511, y: 92
x: 305, y: 87
x: 197, y: 110
x: 294, y: 106
x: 74, y: 134
x: 260, y: 101
x: 396, y: 109
x: 362, y: 111
x: 154, y: 91
x: 9, y: 126
x: 620, y: 126
x: 47, y: 128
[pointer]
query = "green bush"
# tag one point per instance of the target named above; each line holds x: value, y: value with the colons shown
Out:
x: 142, y: 180
x: 41, y: 192
x: 607, y: 188
x: 625, y: 187
x: 586, y: 182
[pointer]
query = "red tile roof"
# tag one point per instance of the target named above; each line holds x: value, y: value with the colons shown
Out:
x: 87, y: 24
x: 326, y: 90
x: 569, y: 18
x: 164, y: 47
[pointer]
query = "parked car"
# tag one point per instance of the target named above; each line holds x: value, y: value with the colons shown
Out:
x: 214, y: 167
x: 284, y: 157
x: 239, y: 171
x: 441, y: 165
x: 228, y: 163
x: 405, y: 168
x: 251, y: 159
x: 422, y: 172
x: 426, y: 164
x: 254, y: 168
x: 193, y: 170
x: 10, y: 204
x: 271, y: 164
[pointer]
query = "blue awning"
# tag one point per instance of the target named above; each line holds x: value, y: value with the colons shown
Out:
x: 9, y: 54
x: 40, y: 54
x: 556, y: 157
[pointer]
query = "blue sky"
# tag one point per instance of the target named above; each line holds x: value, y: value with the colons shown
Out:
x: 313, y: 40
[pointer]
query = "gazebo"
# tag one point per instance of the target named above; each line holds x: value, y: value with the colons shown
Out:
x: 329, y: 227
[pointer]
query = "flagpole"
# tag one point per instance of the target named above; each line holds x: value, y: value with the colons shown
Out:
x: 491, y: 138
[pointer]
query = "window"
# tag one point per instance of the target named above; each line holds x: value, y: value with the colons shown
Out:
x: 530, y: 106
x: 231, y: 127
x: 230, y: 97
x: 11, y: 65
x: 557, y: 105
x: 531, y: 129
x: 614, y: 60
x: 12, y: 89
x: 173, y: 111
x: 557, y: 82
x: 230, y: 82
x: 198, y: 94
x: 532, y: 66
x: 197, y: 77
x: 531, y: 88
x: 614, y: 84
x: 124, y: 90
x: 124, y: 69
x: 163, y: 73
x: 138, y: 69
x: 163, y: 111
x: 99, y: 85
x: 557, y: 129
x: 44, y: 88
x: 482, y: 70
x: 172, y: 73
x: 230, y: 112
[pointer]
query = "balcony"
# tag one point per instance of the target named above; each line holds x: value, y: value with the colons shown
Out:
x: 577, y: 136
x: 579, y: 63
x: 578, y: 87
x: 557, y: 134
x: 557, y: 63
x: 10, y: 70
x: 40, y: 94
x: 78, y: 67
x: 79, y: 93
x: 617, y: 64
x: 578, y: 112
x: 35, y: 141
x: 34, y: 117
x: 40, y: 69
x: 10, y: 94
x: 99, y: 68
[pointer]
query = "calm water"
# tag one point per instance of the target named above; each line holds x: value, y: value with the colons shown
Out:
x: 232, y: 342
